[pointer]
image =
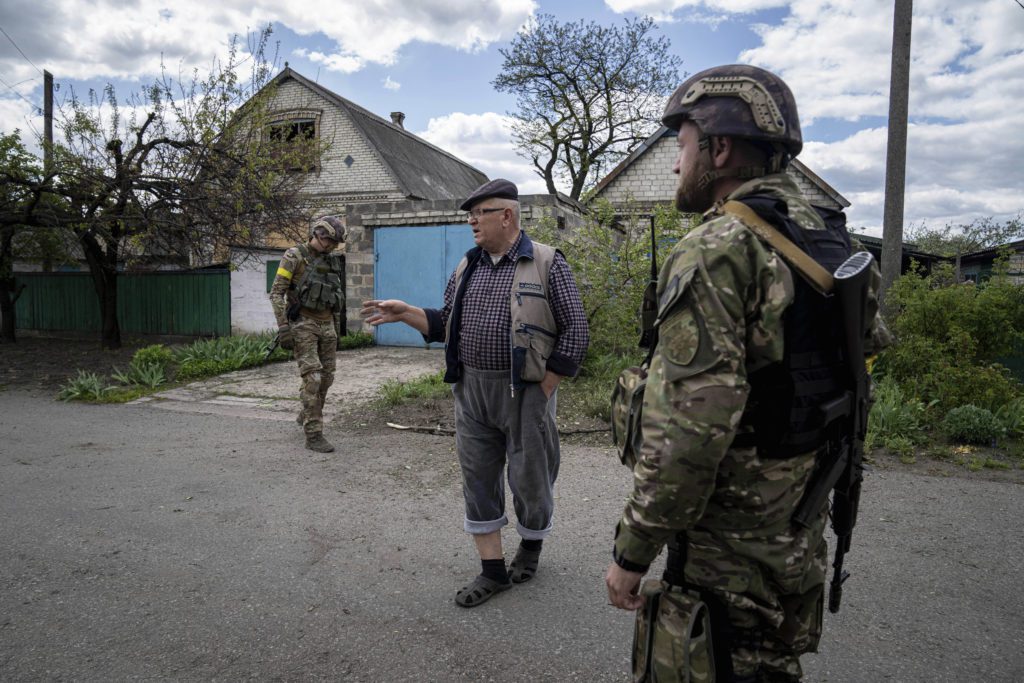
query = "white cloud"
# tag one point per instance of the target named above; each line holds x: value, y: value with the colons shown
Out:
x: 112, y: 39
x: 966, y: 85
x: 391, y: 85
x: 483, y: 141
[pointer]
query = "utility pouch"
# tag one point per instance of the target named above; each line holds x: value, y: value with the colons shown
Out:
x: 672, y: 637
x: 626, y: 408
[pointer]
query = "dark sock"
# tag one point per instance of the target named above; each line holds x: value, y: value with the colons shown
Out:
x: 532, y: 545
x: 495, y: 570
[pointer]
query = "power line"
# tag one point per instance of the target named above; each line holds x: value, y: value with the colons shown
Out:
x: 32, y: 104
x: 19, y: 50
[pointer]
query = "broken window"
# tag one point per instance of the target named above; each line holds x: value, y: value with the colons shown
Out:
x: 294, y: 140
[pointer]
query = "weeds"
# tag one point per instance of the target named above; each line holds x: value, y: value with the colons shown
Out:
x: 142, y: 374
x: 87, y: 386
x: 393, y: 392
x: 355, y: 340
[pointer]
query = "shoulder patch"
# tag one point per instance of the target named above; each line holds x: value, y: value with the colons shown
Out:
x: 680, y: 334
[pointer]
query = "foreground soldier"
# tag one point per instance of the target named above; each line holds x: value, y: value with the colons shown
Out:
x: 307, y: 300
x: 746, y: 354
x: 514, y: 326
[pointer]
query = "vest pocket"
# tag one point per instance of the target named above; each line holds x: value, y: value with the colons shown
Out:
x: 531, y: 348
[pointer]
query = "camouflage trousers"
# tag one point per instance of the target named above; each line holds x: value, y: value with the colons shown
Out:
x: 767, y: 628
x: 316, y: 343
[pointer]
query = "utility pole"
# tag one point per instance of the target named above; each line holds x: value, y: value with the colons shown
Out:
x: 47, y: 121
x: 896, y: 155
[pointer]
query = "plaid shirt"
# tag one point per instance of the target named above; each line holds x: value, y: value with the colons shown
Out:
x: 487, y: 319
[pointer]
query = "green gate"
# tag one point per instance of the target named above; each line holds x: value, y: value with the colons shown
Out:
x: 188, y: 303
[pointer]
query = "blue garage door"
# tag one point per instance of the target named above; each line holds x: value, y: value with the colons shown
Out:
x: 413, y: 264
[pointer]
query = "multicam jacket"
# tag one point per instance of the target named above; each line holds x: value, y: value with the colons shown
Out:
x: 722, y: 295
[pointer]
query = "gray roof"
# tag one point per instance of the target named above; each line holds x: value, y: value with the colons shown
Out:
x: 422, y: 170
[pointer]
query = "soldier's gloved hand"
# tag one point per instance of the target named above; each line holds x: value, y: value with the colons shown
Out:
x: 285, y: 337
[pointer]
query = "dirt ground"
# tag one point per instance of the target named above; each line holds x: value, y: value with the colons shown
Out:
x: 45, y: 363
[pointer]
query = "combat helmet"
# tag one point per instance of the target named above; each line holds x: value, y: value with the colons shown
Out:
x: 740, y: 101
x: 331, y: 227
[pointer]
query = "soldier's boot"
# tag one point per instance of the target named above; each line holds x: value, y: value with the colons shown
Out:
x: 317, y: 442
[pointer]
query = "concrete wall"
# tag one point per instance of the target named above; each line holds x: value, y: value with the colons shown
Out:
x: 250, y: 306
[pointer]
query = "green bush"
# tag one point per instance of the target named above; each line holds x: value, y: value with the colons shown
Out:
x: 209, y: 357
x: 894, y: 416
x: 155, y: 354
x: 87, y: 386
x: 1011, y: 417
x: 950, y: 337
x: 973, y: 425
x: 610, y: 257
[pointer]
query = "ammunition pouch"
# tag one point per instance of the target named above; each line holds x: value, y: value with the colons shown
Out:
x: 627, y: 404
x: 672, y: 636
x: 320, y: 287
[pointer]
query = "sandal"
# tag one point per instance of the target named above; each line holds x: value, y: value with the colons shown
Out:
x: 524, y: 566
x: 480, y: 591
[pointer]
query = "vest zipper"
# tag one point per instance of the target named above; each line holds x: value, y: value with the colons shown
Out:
x: 520, y: 295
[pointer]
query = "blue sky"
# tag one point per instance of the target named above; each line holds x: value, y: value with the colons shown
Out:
x: 435, y: 60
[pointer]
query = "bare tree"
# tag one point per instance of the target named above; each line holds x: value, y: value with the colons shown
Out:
x: 587, y: 94
x: 185, y: 170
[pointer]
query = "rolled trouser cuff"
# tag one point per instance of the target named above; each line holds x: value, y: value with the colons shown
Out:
x: 533, y: 534
x: 480, y: 528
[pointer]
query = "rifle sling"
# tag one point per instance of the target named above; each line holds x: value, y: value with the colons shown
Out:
x: 816, y: 276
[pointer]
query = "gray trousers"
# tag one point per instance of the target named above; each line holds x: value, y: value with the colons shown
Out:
x: 494, y: 429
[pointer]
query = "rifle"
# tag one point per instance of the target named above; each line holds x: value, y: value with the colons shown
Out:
x: 649, y: 304
x: 842, y: 470
x: 273, y: 347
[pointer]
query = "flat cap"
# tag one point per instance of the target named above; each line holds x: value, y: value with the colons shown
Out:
x: 499, y: 187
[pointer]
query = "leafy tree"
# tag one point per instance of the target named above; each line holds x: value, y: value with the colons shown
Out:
x: 587, y: 94
x: 187, y: 169
x: 956, y: 240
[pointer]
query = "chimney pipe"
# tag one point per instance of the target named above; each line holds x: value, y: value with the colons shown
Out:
x: 398, y: 118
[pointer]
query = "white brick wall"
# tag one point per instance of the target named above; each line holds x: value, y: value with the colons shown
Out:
x: 366, y: 176
x: 650, y: 180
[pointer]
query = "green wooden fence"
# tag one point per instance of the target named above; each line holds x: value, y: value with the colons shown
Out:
x: 192, y: 303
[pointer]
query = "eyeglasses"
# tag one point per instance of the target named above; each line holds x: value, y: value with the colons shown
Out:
x: 478, y: 213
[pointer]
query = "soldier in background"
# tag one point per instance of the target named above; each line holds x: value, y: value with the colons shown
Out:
x: 721, y: 471
x: 307, y: 297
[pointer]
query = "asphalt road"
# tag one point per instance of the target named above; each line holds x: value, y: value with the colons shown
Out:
x: 141, y: 543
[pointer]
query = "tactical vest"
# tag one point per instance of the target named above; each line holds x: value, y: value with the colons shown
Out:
x: 533, y: 328
x: 785, y: 398
x: 318, y: 288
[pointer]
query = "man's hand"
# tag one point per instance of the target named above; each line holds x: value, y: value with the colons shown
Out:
x: 285, y: 337
x: 550, y: 383
x: 377, y: 312
x: 623, y: 587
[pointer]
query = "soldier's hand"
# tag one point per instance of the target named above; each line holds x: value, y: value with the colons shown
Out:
x: 285, y: 337
x: 623, y: 587
x: 377, y: 311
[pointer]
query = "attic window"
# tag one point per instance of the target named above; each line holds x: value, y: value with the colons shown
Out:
x: 294, y: 136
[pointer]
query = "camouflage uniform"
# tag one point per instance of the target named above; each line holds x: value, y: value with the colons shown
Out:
x: 316, y: 341
x: 722, y: 296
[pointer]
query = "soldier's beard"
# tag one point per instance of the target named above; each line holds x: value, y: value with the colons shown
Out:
x: 690, y: 197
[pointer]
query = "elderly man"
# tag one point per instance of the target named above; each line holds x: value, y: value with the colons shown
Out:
x: 307, y: 300
x: 748, y: 354
x: 514, y: 326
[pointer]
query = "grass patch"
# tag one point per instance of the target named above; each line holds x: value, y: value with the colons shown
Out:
x: 355, y: 340
x: 394, y: 392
